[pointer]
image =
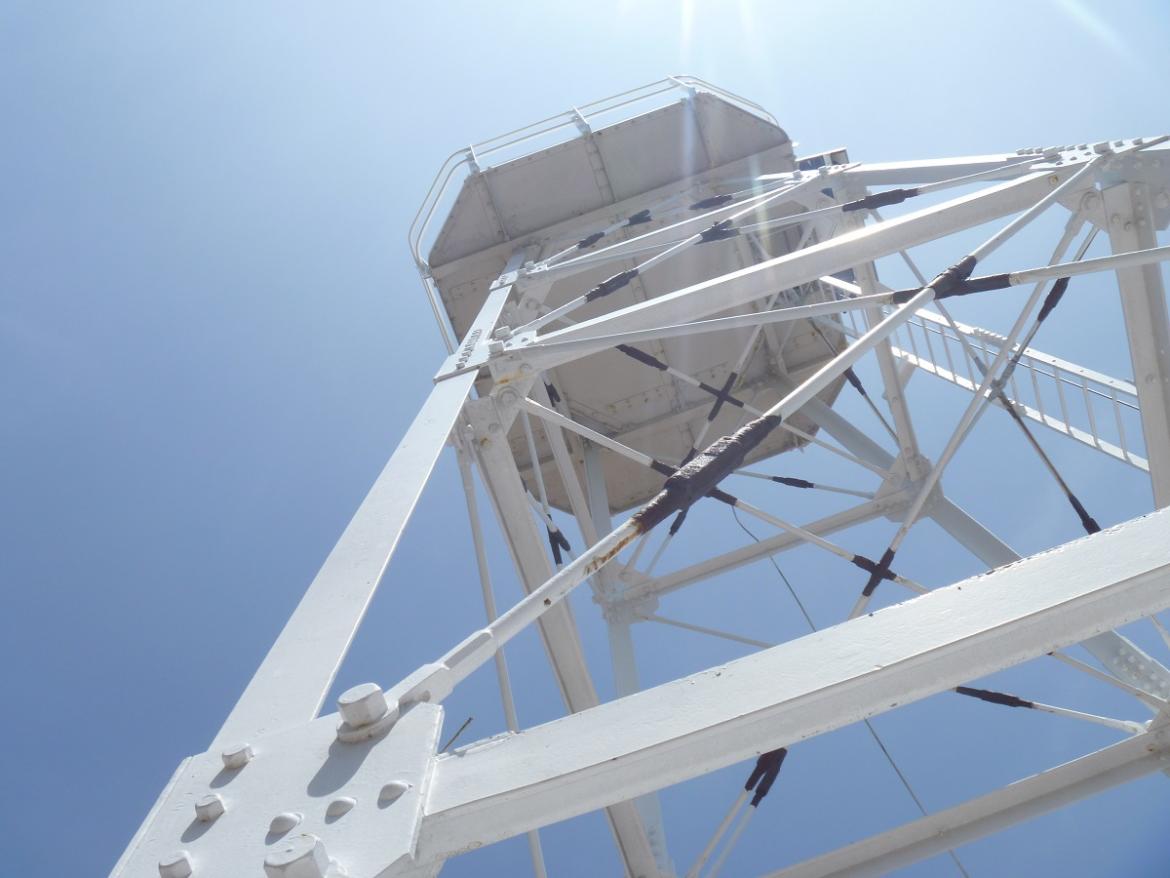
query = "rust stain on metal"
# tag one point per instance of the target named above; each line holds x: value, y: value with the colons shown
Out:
x: 601, y: 560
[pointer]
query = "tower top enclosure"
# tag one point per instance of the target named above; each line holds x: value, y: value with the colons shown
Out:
x: 649, y: 164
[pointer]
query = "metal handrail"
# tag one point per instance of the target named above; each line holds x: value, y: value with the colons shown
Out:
x: 479, y: 155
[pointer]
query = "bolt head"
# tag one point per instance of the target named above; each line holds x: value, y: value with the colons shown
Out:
x: 339, y: 807
x: 283, y: 822
x: 392, y: 792
x: 236, y: 756
x: 209, y: 807
x: 176, y: 865
x: 301, y: 857
x: 362, y: 705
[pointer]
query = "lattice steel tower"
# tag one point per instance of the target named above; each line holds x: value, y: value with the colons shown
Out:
x: 618, y: 288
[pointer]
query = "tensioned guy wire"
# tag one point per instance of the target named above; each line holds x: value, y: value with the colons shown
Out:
x: 873, y: 732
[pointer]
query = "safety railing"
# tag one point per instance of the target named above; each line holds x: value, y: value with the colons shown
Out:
x: 541, y: 135
x: 1094, y: 409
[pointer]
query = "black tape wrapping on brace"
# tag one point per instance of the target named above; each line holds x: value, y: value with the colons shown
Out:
x: 1053, y: 298
x: 701, y: 476
x: 879, y: 199
x: 590, y: 240
x: 718, y: 232
x: 793, y: 483
x: 994, y: 697
x: 636, y: 219
x: 662, y: 468
x: 721, y: 396
x: 556, y: 542
x: 952, y: 282
x: 712, y: 202
x: 551, y: 389
x: 1087, y: 521
x: 642, y: 357
x: 852, y: 378
x: 610, y: 284
x: 765, y: 773
x: 877, y: 572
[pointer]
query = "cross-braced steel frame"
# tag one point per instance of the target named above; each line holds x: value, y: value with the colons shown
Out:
x: 391, y: 804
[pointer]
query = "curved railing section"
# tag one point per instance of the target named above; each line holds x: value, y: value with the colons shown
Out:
x: 541, y: 135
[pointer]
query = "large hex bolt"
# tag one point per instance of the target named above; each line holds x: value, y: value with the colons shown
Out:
x: 301, y: 857
x: 176, y: 865
x: 236, y: 756
x: 365, y: 712
x: 362, y: 705
x: 209, y: 808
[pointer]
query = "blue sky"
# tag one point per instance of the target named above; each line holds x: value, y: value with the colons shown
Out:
x: 211, y: 337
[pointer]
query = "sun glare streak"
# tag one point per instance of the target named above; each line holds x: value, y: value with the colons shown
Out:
x: 1095, y: 26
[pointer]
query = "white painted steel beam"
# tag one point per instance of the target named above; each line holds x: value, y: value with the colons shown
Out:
x: 558, y: 630
x: 740, y: 287
x: 924, y: 171
x: 1109, y: 648
x: 867, y: 281
x: 1143, y: 301
x: 776, y: 697
x: 294, y: 678
x: 982, y: 816
x: 621, y: 647
x: 665, y: 584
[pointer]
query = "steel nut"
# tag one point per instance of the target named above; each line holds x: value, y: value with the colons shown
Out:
x: 362, y: 705
x: 176, y: 865
x: 209, y: 807
x: 236, y: 756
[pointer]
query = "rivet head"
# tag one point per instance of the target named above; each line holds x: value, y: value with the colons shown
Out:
x: 209, y: 807
x: 339, y: 807
x: 300, y: 857
x: 284, y: 821
x: 236, y: 756
x: 392, y: 792
x: 176, y: 865
x: 362, y: 705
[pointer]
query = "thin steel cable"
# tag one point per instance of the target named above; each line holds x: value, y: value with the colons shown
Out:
x: 860, y: 388
x: 877, y: 738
